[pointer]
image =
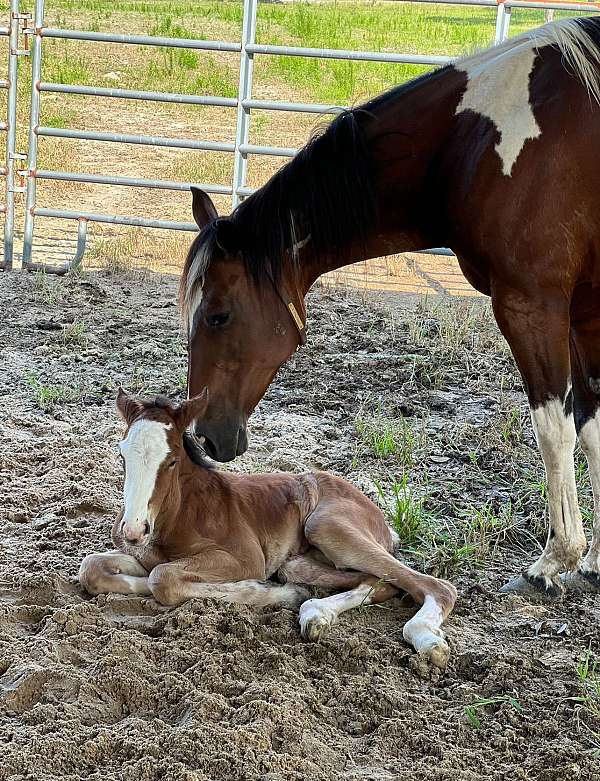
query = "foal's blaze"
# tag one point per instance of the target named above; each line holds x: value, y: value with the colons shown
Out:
x: 496, y: 157
x: 190, y: 531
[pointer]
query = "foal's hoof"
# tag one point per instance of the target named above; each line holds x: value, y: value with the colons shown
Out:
x: 532, y: 587
x: 430, y: 661
x: 315, y: 620
x: 581, y: 581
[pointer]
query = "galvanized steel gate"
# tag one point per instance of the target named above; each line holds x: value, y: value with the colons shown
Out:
x: 30, y: 32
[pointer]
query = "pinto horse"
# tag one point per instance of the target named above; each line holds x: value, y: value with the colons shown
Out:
x: 187, y: 531
x: 495, y: 156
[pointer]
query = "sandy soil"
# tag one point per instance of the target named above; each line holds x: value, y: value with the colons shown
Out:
x: 119, y: 689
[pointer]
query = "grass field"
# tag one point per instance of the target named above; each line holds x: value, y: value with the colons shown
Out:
x: 385, y: 26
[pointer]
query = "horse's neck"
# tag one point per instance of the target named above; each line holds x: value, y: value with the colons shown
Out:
x: 407, y: 136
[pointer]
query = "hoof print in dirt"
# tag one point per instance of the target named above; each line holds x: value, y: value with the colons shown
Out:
x: 533, y: 588
x: 581, y: 582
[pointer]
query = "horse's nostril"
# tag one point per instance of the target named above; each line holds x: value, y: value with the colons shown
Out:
x: 146, y: 529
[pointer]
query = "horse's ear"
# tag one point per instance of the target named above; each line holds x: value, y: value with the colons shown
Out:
x: 192, y: 409
x: 203, y: 208
x: 128, y: 407
x: 227, y: 236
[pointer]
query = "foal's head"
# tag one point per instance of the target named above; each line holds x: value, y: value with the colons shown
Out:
x: 155, y: 444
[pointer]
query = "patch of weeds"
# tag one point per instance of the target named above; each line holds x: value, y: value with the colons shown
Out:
x: 588, y: 702
x: 74, y: 334
x: 405, y: 512
x: 389, y: 438
x: 511, y: 427
x: 485, y: 527
x: 472, y: 710
x: 48, y: 396
x: 46, y: 289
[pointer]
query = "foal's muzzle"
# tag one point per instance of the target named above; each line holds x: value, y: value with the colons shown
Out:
x: 138, y: 535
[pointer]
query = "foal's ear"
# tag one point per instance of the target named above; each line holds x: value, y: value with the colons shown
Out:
x: 192, y: 409
x: 128, y: 407
x: 203, y: 208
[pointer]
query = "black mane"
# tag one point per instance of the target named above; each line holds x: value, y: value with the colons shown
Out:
x: 327, y: 191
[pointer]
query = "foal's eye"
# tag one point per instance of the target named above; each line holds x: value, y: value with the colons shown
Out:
x: 172, y: 464
x: 218, y: 320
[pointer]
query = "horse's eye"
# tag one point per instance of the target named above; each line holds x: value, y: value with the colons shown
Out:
x: 172, y: 464
x: 218, y: 320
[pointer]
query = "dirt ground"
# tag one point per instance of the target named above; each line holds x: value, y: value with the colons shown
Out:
x: 119, y: 689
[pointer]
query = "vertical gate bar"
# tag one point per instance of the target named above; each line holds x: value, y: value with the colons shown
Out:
x: 11, y: 134
x: 34, y: 121
x: 499, y: 22
x: 240, y: 160
x: 506, y: 23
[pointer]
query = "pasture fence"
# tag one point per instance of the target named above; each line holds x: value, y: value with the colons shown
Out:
x: 22, y: 174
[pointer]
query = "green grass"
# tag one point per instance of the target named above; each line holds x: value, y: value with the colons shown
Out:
x: 48, y: 396
x: 409, y: 28
x: 474, y: 711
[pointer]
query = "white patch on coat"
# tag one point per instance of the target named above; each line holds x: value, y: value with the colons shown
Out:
x: 589, y: 439
x: 499, y: 77
x: 555, y: 435
x: 144, y: 449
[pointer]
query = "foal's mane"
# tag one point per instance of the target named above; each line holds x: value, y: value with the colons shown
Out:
x: 191, y: 445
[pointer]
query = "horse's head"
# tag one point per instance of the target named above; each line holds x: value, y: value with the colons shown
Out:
x: 152, y: 451
x: 241, y: 326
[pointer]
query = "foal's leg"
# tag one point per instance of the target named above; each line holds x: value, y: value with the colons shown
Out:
x: 317, y: 616
x: 585, y: 349
x: 538, y: 334
x: 335, y: 528
x: 113, y: 572
x: 218, y: 575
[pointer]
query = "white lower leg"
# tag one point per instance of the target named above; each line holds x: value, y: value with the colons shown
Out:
x: 318, y: 615
x: 424, y: 631
x: 555, y: 434
x: 113, y: 572
x: 589, y: 438
x: 243, y: 592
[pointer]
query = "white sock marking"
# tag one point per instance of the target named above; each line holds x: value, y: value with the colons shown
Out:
x: 555, y: 434
x: 423, y: 630
x: 318, y: 615
x: 589, y: 438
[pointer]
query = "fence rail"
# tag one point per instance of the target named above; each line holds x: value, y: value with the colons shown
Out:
x: 34, y: 33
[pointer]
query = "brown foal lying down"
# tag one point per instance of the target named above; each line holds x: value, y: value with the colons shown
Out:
x: 187, y: 531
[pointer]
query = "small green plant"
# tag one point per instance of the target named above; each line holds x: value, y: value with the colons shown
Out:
x: 46, y: 289
x: 405, y: 512
x: 74, y: 334
x: 472, y: 711
x: 389, y: 438
x: 48, y: 396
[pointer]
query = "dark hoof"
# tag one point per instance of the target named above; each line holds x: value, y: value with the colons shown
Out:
x: 586, y: 582
x: 534, y: 588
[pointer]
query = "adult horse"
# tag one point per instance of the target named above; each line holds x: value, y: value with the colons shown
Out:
x: 495, y: 156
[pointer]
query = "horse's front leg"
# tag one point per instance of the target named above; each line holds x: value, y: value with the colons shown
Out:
x: 537, y: 331
x: 113, y: 572
x: 216, y: 574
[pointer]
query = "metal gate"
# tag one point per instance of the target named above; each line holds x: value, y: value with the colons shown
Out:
x: 29, y: 33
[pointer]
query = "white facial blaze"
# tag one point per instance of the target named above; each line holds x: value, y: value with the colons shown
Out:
x: 144, y: 450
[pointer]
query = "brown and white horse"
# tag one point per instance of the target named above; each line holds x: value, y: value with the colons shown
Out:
x: 496, y: 156
x: 187, y: 531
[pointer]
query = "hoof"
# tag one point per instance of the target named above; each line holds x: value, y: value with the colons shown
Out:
x: 315, y: 620
x: 586, y: 582
x: 534, y: 588
x: 429, y: 662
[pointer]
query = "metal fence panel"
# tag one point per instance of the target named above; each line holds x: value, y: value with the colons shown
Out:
x: 240, y: 147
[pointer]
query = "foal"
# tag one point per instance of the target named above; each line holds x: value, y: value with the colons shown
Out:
x: 187, y: 531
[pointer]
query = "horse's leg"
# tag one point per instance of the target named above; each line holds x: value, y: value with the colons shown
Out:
x: 216, y: 574
x: 537, y: 331
x: 103, y: 573
x: 585, y: 341
x: 338, y: 529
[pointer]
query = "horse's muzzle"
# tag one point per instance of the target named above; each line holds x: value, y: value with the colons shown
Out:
x: 223, y: 443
